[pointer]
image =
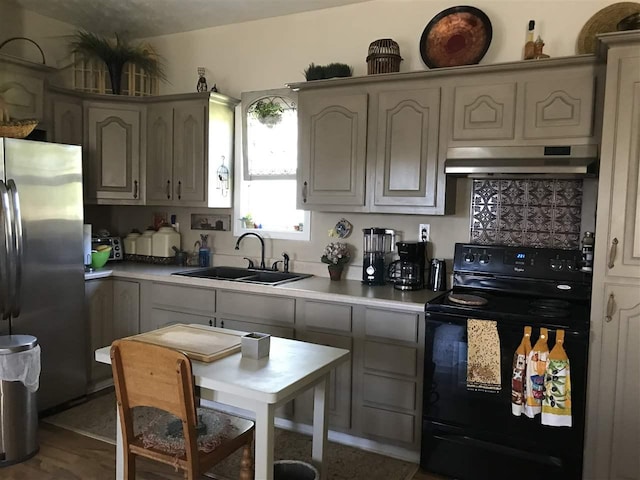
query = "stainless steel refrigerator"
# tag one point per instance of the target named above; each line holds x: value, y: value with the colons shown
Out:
x: 41, y: 260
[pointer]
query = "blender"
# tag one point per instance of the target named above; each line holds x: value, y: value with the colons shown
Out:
x: 408, y: 272
x: 378, y: 243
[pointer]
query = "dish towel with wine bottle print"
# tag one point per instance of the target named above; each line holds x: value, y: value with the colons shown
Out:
x: 519, y: 376
x: 536, y: 368
x: 483, y: 356
x: 556, y: 404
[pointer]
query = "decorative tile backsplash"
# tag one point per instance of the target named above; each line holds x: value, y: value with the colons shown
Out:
x: 534, y: 213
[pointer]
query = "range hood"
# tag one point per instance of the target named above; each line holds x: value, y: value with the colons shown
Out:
x: 536, y: 160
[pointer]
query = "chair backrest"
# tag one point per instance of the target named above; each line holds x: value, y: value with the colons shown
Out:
x: 150, y: 375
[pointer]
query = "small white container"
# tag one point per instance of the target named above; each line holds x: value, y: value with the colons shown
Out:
x: 256, y: 345
x: 143, y: 242
x: 163, y: 240
x: 130, y: 243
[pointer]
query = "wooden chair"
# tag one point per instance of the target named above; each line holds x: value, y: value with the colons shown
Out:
x: 154, y: 376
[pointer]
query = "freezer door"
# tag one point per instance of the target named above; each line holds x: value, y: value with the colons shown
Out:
x: 48, y: 178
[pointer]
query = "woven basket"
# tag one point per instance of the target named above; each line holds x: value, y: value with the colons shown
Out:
x: 384, y: 57
x: 17, y: 128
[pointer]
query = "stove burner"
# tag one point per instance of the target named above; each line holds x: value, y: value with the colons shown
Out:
x: 549, y: 312
x: 553, y: 303
x: 465, y: 299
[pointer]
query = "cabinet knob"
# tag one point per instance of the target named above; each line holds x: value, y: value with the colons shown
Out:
x: 135, y: 189
x: 168, y: 189
x: 612, y: 252
x: 611, y: 304
x: 304, y: 192
x: 210, y: 323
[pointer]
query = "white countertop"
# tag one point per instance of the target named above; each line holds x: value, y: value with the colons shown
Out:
x: 316, y: 288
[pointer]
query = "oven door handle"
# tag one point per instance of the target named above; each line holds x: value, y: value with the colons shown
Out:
x: 494, y: 447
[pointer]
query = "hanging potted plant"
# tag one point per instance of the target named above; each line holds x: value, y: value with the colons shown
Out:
x: 267, y: 112
x: 116, y: 53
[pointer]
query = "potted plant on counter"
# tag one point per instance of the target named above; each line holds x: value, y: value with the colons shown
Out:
x: 337, y: 255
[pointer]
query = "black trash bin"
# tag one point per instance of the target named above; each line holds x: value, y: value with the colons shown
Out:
x: 19, y: 412
x: 294, y: 470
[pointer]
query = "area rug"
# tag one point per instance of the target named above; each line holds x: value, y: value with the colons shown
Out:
x: 97, y: 419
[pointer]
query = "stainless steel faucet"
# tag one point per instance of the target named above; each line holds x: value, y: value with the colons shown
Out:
x: 261, y: 246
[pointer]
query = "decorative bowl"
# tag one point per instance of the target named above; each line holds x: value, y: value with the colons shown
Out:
x: 99, y: 259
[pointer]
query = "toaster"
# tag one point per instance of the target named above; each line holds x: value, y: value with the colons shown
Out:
x: 116, y: 253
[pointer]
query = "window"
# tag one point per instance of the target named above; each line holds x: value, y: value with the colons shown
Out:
x: 266, y: 168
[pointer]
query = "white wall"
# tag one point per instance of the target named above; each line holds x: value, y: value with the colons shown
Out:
x: 269, y: 53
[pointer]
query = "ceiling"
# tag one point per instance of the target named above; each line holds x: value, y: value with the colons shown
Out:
x: 146, y: 18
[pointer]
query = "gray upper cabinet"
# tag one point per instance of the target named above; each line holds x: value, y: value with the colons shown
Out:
x: 552, y: 103
x: 406, y: 150
x: 114, y: 152
x: 189, y: 138
x: 66, y: 118
x: 22, y: 87
x: 332, y: 150
x: 176, y: 153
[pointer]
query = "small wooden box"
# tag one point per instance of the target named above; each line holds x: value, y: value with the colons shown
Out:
x: 256, y: 345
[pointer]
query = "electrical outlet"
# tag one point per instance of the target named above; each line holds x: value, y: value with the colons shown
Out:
x: 423, y: 232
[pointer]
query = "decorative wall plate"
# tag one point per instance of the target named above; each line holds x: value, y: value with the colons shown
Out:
x: 456, y: 36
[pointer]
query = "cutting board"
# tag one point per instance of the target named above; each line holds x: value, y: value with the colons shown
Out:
x: 197, y: 342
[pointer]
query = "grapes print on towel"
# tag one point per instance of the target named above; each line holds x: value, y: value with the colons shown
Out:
x: 556, y: 405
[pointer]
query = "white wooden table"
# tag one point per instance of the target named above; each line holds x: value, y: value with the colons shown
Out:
x: 261, y: 386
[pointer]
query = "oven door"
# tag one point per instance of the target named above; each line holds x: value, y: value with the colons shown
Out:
x: 468, y: 431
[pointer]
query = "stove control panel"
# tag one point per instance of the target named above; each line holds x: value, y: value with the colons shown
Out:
x: 526, y: 262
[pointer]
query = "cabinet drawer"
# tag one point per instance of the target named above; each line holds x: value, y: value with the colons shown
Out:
x: 391, y: 358
x: 163, y: 318
x: 274, y: 309
x: 391, y: 325
x: 389, y: 391
x: 184, y: 298
x: 284, y: 332
x: 327, y: 316
x: 389, y: 425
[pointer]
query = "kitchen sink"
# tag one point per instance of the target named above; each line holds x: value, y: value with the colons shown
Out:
x: 247, y: 275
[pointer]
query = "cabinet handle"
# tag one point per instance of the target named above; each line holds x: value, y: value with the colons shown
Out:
x: 179, y: 190
x: 612, y: 252
x: 135, y: 189
x: 168, y: 189
x: 610, y: 307
x: 304, y: 192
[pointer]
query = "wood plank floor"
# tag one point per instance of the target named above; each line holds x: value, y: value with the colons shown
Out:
x: 65, y: 455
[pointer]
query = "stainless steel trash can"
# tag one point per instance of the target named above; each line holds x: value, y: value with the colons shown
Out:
x: 18, y: 408
x: 294, y: 470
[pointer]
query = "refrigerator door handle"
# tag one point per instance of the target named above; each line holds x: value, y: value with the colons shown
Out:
x: 19, y: 248
x: 7, y: 257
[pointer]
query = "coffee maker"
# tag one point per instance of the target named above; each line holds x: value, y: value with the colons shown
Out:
x: 408, y: 272
x: 378, y: 244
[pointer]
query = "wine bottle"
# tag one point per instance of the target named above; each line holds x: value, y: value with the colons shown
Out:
x: 529, y: 46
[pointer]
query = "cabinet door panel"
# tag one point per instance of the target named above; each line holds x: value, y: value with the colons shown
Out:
x: 618, y: 424
x: 389, y: 392
x: 484, y: 112
x: 327, y: 316
x: 188, y: 299
x: 339, y: 383
x: 244, y: 305
x: 67, y: 121
x: 99, y: 302
x: 559, y: 107
x: 284, y: 332
x: 114, y: 153
x: 126, y: 308
x: 189, y: 152
x: 161, y: 317
x: 388, y: 425
x: 391, y: 325
x: 22, y: 93
x: 160, y: 153
x: 625, y: 200
x: 407, y: 147
x: 332, y: 149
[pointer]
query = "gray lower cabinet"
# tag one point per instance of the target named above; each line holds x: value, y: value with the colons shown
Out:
x: 254, y: 312
x: 99, y: 310
x: 166, y: 304
x: 126, y: 308
x: 328, y: 324
x: 388, y: 356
